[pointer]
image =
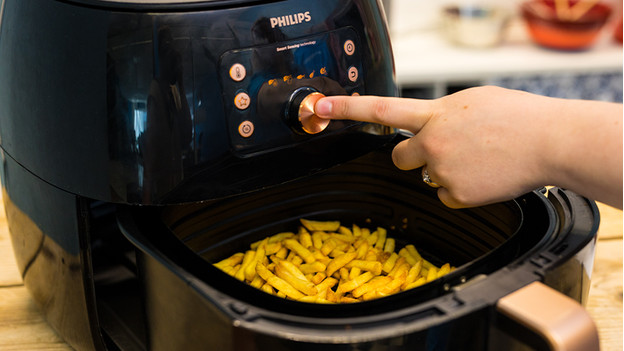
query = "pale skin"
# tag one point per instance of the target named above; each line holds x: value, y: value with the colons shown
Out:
x: 488, y: 144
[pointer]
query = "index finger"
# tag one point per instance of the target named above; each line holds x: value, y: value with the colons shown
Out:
x: 402, y: 113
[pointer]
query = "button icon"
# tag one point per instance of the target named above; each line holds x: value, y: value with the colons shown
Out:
x: 246, y: 129
x: 242, y: 101
x: 353, y: 73
x: 237, y: 72
x: 349, y: 47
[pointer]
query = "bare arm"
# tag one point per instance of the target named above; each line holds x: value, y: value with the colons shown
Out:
x: 490, y: 144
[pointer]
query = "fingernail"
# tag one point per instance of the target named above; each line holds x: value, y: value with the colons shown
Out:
x: 323, y: 108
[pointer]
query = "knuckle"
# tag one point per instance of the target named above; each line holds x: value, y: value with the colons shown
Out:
x: 431, y: 147
x: 342, y: 108
x: 380, y: 110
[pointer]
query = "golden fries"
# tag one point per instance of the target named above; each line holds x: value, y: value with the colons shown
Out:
x: 326, y: 262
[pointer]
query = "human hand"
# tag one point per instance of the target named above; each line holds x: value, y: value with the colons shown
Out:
x: 481, y: 145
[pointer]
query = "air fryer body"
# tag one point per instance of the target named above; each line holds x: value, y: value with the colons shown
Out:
x: 114, y: 113
x: 129, y: 103
x: 105, y: 102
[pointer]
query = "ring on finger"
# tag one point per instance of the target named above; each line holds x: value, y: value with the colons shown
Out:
x: 427, y: 179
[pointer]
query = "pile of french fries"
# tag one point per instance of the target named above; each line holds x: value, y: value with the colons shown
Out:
x: 326, y: 262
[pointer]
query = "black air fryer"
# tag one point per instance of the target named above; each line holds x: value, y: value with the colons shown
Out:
x: 143, y: 141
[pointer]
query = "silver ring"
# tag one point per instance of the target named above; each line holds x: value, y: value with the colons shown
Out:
x: 427, y: 179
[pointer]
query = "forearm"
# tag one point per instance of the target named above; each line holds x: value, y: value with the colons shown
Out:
x: 586, y: 149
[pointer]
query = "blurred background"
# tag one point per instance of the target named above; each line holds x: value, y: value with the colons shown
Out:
x: 560, y: 48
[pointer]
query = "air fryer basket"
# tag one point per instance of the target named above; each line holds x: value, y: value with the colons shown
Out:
x: 178, y: 244
x: 370, y: 192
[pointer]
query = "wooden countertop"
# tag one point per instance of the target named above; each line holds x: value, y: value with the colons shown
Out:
x: 22, y: 326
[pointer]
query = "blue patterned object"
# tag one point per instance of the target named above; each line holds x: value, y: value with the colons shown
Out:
x: 597, y: 86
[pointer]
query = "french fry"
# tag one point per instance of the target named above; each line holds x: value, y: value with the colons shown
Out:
x: 445, y: 269
x: 395, y: 284
x: 344, y: 230
x: 296, y: 260
x: 390, y: 244
x: 278, y: 283
x: 411, y: 249
x: 263, y: 271
x: 250, y: 270
x: 317, y: 240
x: 432, y: 274
x: 284, y: 287
x: 339, y: 262
x: 282, y: 253
x: 230, y: 261
x: 365, y: 232
x: 229, y: 270
x: 273, y: 239
x: 305, y: 239
x: 346, y: 299
x: 354, y: 283
x: 420, y: 281
x: 326, y: 226
x: 328, y: 246
x: 343, y: 237
x: 412, y: 275
x: 356, y: 230
x: 399, y: 262
x: 408, y: 257
x: 318, y: 256
x: 309, y: 299
x: 326, y: 262
x: 354, y: 272
x: 331, y: 296
x: 371, y: 295
x: 257, y: 282
x: 313, y: 267
x: 249, y: 256
x: 373, y: 284
x: 328, y: 283
x: 372, y: 239
x: 303, y: 285
x: 292, y: 269
x: 344, y: 274
x: 273, y: 248
x: 267, y: 289
x: 371, y: 255
x: 335, y: 253
x: 381, y: 238
x: 371, y: 266
x: 304, y: 253
x: 362, y: 249
x: 318, y: 278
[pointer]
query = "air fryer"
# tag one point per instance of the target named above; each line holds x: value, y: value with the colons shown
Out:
x: 141, y: 141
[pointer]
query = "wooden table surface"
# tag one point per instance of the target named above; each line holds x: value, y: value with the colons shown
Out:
x: 22, y: 326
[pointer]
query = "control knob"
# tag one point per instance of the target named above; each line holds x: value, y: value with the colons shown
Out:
x: 300, y: 112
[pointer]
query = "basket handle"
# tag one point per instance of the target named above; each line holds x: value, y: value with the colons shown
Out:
x: 558, y: 320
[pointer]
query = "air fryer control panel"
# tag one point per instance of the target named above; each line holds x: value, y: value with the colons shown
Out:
x: 258, y: 82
